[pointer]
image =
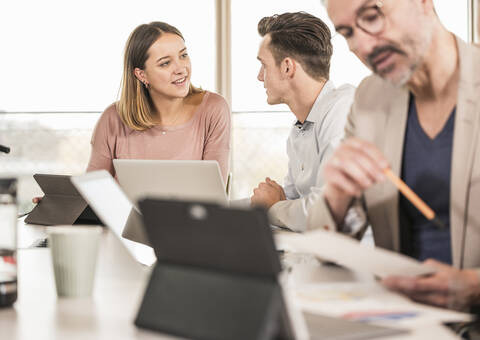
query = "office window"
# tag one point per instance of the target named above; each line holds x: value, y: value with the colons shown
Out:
x: 61, y: 65
x: 261, y: 130
x: 247, y: 92
x: 454, y: 16
x: 68, y: 56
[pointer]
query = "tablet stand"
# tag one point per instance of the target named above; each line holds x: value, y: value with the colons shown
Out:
x: 62, y: 203
x: 201, y: 304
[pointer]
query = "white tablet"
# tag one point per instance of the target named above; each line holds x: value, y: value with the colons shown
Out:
x: 108, y: 201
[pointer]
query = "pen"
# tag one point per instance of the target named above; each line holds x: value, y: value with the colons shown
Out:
x: 414, y: 199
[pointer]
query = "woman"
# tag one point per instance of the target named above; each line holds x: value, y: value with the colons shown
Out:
x: 160, y: 114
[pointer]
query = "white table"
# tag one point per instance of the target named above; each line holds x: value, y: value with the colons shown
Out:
x: 109, y: 314
x: 119, y: 286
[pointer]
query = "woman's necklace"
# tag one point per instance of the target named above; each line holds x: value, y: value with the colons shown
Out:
x: 162, y: 128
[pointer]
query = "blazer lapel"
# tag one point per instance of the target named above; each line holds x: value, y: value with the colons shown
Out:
x: 465, y: 131
x: 393, y: 148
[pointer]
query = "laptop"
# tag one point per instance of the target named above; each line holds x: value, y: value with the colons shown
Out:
x: 110, y: 204
x: 171, y: 179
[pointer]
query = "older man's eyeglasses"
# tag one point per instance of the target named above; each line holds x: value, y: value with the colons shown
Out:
x: 370, y: 19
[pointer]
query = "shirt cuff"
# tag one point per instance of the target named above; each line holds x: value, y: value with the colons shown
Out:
x: 319, y: 216
x: 288, y: 214
x: 355, y: 221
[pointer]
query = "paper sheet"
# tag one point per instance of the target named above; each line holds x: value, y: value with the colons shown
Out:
x: 350, y: 253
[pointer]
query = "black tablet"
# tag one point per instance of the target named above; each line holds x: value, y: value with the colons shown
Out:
x: 216, y: 273
x: 211, y: 236
x: 61, y: 203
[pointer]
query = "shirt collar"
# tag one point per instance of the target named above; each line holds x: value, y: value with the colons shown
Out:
x: 320, y: 106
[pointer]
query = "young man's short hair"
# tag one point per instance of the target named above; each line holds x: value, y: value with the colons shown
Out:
x: 302, y: 37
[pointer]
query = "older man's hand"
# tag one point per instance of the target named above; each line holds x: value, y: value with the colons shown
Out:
x: 448, y: 287
x: 355, y: 166
x: 267, y: 194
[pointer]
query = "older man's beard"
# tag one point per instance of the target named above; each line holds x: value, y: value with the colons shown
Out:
x: 417, y: 47
x: 379, y: 50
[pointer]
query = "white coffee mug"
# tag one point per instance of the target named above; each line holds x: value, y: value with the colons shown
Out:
x: 74, y: 256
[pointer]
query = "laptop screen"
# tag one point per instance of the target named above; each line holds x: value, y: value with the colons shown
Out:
x: 111, y: 205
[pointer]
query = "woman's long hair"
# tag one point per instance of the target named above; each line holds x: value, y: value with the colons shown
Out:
x: 135, y: 106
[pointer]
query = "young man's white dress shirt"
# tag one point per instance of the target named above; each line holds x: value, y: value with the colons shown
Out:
x: 308, y: 146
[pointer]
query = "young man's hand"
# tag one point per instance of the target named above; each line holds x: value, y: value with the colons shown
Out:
x: 267, y: 194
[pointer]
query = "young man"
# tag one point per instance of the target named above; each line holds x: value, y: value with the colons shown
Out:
x: 419, y: 115
x: 295, y: 55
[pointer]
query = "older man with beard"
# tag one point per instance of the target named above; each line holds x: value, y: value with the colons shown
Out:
x: 418, y: 115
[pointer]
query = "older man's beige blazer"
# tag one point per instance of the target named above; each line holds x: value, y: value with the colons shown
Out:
x: 379, y: 115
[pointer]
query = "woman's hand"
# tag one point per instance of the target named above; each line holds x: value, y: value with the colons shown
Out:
x: 36, y: 200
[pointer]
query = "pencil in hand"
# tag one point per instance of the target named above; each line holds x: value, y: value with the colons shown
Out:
x: 414, y: 199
